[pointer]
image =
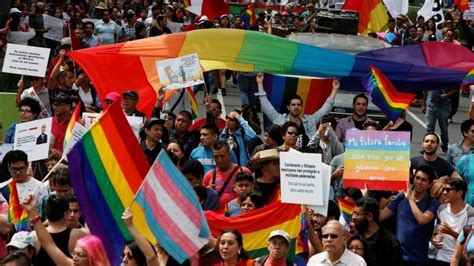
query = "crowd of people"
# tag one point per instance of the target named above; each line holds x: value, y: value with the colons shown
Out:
x: 231, y: 161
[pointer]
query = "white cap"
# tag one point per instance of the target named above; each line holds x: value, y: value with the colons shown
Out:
x: 22, y: 240
x: 14, y: 10
x: 280, y: 233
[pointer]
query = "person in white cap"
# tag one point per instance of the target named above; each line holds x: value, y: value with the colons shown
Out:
x: 278, y: 246
x: 22, y: 241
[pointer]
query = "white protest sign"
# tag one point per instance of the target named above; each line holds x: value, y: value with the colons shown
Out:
x: 34, y: 138
x: 175, y: 26
x: 76, y: 134
x: 25, y: 60
x: 55, y: 26
x: 326, y: 176
x: 301, y: 180
x: 468, y: 14
x: 90, y: 118
x: 136, y: 123
x: 4, y: 148
x: 32, y: 94
x: 180, y: 72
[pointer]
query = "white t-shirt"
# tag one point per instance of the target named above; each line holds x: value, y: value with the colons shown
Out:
x: 457, y: 222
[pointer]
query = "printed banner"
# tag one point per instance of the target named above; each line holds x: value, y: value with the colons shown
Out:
x: 380, y: 159
x: 180, y: 72
x: 34, y: 138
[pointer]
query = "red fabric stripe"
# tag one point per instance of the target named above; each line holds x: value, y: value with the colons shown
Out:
x: 319, y: 91
x: 458, y: 58
x: 114, y: 72
x: 376, y: 185
x: 393, y: 94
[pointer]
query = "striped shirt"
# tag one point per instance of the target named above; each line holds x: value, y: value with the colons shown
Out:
x: 106, y: 31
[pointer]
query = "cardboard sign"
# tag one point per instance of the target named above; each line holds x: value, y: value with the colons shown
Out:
x: 180, y: 72
x: 34, y: 138
x: 380, y: 159
x: 300, y: 178
x: 55, y: 26
x: 26, y: 60
x: 76, y: 134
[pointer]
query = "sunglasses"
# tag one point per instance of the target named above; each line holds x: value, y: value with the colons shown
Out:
x: 448, y: 189
x: 332, y: 236
x: 292, y: 133
x: 230, y: 118
x: 215, y: 109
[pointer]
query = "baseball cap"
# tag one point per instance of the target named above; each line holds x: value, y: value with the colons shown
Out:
x: 154, y: 121
x: 113, y: 96
x: 280, y: 233
x: 131, y: 93
x: 22, y: 240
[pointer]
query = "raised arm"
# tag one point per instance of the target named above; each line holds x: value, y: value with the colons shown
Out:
x: 267, y: 107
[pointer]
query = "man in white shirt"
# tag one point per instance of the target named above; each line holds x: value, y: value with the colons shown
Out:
x: 335, y: 252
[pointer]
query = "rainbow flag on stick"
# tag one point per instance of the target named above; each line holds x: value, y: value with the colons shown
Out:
x: 76, y: 117
x: 373, y: 16
x: 384, y: 94
x: 314, y: 92
x: 467, y: 81
x: 248, y: 16
x: 257, y: 225
x: 347, y: 208
x: 16, y: 214
x: 173, y: 210
x: 107, y: 169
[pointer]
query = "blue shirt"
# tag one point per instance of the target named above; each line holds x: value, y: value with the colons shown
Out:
x: 465, y: 168
x: 206, y: 157
x: 413, y: 237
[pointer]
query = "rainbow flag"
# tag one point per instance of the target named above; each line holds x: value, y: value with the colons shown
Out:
x: 314, y: 92
x: 173, y: 210
x: 194, y: 105
x: 373, y: 16
x: 16, y: 214
x: 248, y: 16
x: 347, y: 208
x: 107, y: 167
x: 257, y: 225
x: 76, y: 117
x: 384, y: 94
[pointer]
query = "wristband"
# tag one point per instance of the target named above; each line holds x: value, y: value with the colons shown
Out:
x: 35, y: 219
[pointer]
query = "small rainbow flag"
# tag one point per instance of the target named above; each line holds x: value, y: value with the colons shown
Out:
x: 194, y: 105
x: 257, y: 225
x: 347, y: 208
x: 248, y: 16
x: 384, y: 94
x: 76, y: 117
x: 467, y: 81
x: 16, y: 214
x: 106, y: 170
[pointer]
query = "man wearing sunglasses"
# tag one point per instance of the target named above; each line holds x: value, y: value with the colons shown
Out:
x: 335, y: 252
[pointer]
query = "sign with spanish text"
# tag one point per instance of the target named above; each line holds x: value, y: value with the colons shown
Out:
x: 34, y: 138
x: 300, y: 178
x: 380, y: 159
x: 25, y: 60
x: 180, y: 72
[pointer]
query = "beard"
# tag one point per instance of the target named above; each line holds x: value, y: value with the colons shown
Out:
x: 361, y: 226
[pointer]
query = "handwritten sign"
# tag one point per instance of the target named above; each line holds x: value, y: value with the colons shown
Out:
x: 380, y: 159
x: 55, y: 26
x: 180, y: 72
x: 301, y: 180
x: 34, y: 138
x: 26, y: 60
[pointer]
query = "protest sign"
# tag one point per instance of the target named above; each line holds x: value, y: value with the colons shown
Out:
x: 301, y: 180
x: 34, y: 138
x: 25, y: 60
x: 55, y: 28
x: 76, y: 134
x: 175, y: 26
x: 4, y: 148
x: 380, y: 159
x: 468, y: 14
x: 180, y: 72
x: 90, y: 118
x: 326, y: 177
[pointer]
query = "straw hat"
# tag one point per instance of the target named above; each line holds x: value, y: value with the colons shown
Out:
x: 101, y: 5
x: 265, y: 156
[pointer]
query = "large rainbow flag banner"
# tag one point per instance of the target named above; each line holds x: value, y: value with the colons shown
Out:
x: 373, y: 16
x: 384, y: 94
x: 314, y: 92
x: 257, y: 225
x: 106, y: 170
x: 16, y: 214
x: 173, y: 211
x: 378, y: 159
x: 413, y: 69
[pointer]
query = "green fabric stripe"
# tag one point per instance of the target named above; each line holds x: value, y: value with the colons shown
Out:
x: 112, y: 198
x: 256, y: 45
x: 255, y: 253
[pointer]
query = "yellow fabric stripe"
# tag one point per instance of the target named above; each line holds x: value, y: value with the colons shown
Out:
x: 303, y: 90
x: 259, y: 239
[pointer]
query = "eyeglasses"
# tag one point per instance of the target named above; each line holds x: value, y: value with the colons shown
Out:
x: 358, y: 213
x: 17, y: 169
x: 352, y: 248
x: 278, y: 243
x: 24, y: 111
x: 215, y: 109
x: 332, y: 236
x: 79, y: 254
x: 291, y: 133
x: 127, y: 255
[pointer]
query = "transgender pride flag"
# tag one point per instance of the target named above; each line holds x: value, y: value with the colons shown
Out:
x: 173, y: 211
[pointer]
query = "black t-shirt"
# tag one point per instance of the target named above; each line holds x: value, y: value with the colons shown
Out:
x: 265, y: 189
x: 440, y: 166
x: 359, y: 124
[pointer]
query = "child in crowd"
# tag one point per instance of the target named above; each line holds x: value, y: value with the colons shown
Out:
x: 242, y: 186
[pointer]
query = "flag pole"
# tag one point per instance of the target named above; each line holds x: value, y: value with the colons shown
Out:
x: 49, y: 173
